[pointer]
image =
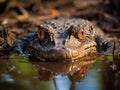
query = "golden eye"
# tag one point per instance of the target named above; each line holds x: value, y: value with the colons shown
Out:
x: 80, y: 34
x: 41, y: 35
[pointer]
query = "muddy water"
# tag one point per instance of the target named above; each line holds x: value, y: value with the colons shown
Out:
x: 21, y: 73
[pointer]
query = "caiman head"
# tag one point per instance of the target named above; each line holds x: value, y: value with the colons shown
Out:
x: 63, y: 39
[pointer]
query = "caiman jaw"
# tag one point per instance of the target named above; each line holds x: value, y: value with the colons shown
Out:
x: 65, y: 54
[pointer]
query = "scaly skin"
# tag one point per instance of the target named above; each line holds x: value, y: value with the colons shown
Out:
x: 62, y: 42
x: 61, y: 39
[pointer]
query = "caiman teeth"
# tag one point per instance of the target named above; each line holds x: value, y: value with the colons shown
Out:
x: 89, y: 45
x: 74, y: 53
x: 71, y: 53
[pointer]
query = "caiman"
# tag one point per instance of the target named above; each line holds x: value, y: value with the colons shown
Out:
x: 62, y: 39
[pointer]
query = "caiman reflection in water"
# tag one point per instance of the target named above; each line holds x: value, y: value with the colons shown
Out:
x: 74, y: 71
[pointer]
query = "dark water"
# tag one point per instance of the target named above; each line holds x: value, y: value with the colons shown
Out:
x: 20, y: 73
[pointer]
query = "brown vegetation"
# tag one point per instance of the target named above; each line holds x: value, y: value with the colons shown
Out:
x: 22, y: 16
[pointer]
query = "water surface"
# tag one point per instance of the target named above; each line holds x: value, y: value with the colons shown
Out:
x: 20, y: 73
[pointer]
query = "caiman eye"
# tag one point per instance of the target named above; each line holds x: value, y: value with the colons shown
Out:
x: 80, y: 34
x: 41, y: 35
